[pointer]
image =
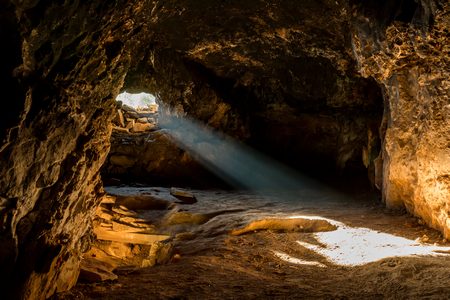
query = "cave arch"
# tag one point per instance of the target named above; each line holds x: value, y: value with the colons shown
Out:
x: 68, y: 61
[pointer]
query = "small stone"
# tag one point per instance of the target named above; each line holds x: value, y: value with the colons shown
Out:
x: 423, y: 239
x: 176, y: 257
x: 184, y: 196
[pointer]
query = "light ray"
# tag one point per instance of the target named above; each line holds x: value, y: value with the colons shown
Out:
x: 352, y: 246
x: 238, y: 164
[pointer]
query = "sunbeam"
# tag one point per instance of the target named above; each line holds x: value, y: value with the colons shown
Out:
x: 237, y: 163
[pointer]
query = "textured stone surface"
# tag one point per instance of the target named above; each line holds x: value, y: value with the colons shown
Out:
x: 410, y: 57
x: 67, y: 62
x: 153, y: 157
x: 266, y: 72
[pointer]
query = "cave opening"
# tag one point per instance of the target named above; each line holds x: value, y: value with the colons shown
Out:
x: 140, y: 101
x: 272, y: 150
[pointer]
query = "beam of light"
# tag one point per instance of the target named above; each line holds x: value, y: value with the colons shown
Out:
x: 238, y: 164
x: 354, y: 246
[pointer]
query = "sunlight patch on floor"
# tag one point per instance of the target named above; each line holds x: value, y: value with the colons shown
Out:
x: 354, y: 246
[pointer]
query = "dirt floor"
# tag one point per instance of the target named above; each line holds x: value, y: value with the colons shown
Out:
x: 373, y: 254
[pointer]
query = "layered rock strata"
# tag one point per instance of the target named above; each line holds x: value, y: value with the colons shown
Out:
x: 133, y: 120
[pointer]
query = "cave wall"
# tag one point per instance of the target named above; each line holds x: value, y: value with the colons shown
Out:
x: 405, y: 47
x: 268, y: 73
x: 65, y: 64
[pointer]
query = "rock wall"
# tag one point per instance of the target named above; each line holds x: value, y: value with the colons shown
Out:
x: 269, y: 74
x: 407, y: 51
x: 66, y: 63
x: 153, y: 158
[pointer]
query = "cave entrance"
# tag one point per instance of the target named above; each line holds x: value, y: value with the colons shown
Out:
x: 136, y: 113
x: 144, y: 151
x: 139, y: 101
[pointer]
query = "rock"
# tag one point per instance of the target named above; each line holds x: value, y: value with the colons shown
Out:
x: 93, y: 270
x: 131, y: 115
x: 142, y: 120
x: 286, y: 225
x: 104, y: 213
x: 129, y: 237
x: 121, y: 119
x: 185, y: 196
x: 128, y: 109
x: 124, y: 228
x: 143, y: 202
x: 110, y: 251
x: 108, y: 199
x: 130, y: 124
x: 122, y: 210
x: 153, y: 108
x: 137, y: 222
x: 160, y: 253
x: 160, y: 160
x: 120, y: 129
x: 189, y: 218
x: 142, y: 127
x: 414, y: 132
x: 122, y: 161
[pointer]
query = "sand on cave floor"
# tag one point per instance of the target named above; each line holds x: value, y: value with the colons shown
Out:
x: 393, y: 256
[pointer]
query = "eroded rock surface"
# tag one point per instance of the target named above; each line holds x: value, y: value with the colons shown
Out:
x: 152, y: 157
x: 66, y: 64
x: 410, y: 57
x: 268, y: 73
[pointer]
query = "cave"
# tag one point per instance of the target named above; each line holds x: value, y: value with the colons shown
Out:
x: 284, y: 149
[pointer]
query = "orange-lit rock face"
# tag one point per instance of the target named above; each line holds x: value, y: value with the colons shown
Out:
x: 413, y: 64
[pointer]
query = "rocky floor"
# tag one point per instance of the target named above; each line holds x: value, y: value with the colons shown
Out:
x: 241, y: 245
